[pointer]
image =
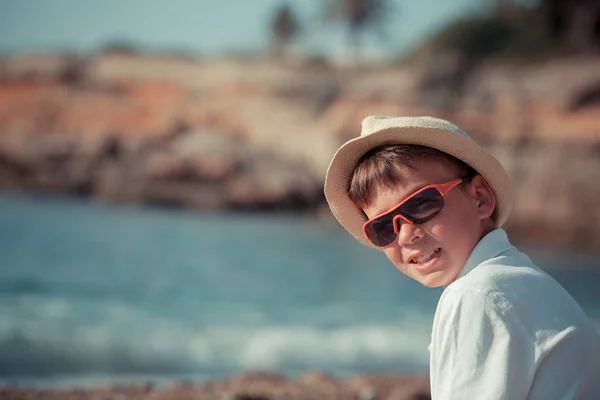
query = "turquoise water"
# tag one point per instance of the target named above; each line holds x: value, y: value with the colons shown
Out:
x: 95, y: 293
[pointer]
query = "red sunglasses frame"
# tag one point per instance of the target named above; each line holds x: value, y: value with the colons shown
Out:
x: 442, y: 188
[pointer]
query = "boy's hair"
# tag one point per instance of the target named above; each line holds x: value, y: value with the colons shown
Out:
x: 380, y: 167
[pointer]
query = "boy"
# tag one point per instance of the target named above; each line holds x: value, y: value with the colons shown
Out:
x: 423, y: 192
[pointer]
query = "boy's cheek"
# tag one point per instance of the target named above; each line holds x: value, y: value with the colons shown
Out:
x: 395, y: 256
x: 392, y: 254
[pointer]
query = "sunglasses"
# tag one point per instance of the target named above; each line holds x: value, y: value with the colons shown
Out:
x: 418, y: 208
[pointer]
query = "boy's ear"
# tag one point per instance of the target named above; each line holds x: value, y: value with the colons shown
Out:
x: 483, y: 195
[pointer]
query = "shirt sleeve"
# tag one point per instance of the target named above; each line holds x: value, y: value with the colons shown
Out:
x: 479, y: 349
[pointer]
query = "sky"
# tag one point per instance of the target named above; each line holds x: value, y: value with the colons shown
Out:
x: 207, y: 27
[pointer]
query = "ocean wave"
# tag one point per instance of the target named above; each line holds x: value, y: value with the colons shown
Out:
x: 213, y: 351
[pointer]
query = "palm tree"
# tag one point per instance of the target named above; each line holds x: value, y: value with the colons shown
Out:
x: 576, y: 23
x: 359, y: 15
x: 284, y: 27
x: 573, y: 24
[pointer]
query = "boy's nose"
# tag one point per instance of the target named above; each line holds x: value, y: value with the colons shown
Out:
x: 408, y: 233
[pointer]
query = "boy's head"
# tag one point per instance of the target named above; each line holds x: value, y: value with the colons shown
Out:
x: 417, y: 188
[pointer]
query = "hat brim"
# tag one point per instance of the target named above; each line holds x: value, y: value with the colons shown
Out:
x: 465, y: 149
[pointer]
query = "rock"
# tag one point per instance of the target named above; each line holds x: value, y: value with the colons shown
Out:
x: 247, y: 386
x: 241, y: 396
x: 258, y: 376
x: 258, y: 135
x: 367, y: 393
x: 317, y: 377
x: 45, y: 66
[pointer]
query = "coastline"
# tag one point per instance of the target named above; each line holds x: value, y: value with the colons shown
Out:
x: 257, y: 134
x: 247, y: 386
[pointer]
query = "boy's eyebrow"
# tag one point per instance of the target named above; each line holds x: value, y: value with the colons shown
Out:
x: 409, y: 193
x: 414, y: 188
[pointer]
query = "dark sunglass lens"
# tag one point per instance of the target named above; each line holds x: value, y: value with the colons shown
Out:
x: 381, y: 231
x: 423, y: 206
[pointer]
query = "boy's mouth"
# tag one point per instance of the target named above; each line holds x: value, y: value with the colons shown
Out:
x: 425, y: 257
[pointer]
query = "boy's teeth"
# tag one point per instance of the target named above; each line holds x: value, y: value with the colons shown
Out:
x: 424, y: 257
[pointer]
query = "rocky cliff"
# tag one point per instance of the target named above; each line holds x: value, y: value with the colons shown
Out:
x: 258, y: 134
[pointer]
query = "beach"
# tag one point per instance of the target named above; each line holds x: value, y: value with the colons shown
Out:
x: 97, y: 294
x: 164, y: 232
x: 248, y: 386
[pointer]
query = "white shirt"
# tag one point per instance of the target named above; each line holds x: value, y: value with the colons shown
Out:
x: 504, y: 329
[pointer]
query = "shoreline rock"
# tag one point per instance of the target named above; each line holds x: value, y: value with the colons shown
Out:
x: 248, y: 386
x: 227, y: 134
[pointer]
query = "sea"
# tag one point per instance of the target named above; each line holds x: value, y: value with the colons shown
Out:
x: 93, y: 293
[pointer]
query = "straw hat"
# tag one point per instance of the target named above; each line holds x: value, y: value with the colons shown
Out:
x: 425, y: 131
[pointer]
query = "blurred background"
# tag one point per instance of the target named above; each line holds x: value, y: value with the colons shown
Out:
x: 161, y: 172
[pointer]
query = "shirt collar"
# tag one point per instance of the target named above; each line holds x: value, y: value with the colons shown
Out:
x: 490, y: 246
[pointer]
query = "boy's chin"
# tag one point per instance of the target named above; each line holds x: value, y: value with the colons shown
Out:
x: 433, y: 281
x: 432, y: 285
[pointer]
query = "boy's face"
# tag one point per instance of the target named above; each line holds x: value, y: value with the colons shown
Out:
x: 435, y: 252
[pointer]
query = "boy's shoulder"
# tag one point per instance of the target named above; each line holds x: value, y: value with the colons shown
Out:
x: 495, y: 283
x: 495, y: 266
x: 510, y: 275
x: 511, y: 288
